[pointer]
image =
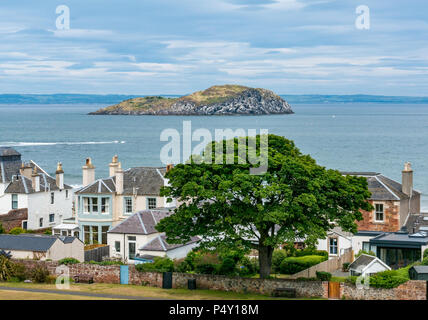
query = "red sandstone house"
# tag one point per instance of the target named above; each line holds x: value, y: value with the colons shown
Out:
x: 396, y: 230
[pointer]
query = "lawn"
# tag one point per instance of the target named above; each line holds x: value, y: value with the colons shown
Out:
x: 21, y: 295
x: 141, y: 291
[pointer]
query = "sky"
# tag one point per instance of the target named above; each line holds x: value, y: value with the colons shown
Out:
x: 177, y: 47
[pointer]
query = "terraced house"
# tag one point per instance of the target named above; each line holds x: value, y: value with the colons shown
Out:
x: 104, y: 203
x: 29, y: 197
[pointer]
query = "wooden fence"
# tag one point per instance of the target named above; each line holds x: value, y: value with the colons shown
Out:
x: 97, y: 254
x: 330, y: 265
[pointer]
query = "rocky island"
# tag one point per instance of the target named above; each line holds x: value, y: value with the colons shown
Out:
x: 217, y: 100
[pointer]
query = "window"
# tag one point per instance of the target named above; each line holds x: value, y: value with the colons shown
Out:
x: 132, y: 238
x: 14, y: 201
x: 66, y: 194
x: 152, y: 203
x: 52, y: 197
x: 117, y: 246
x: 104, y: 230
x: 52, y: 217
x: 94, y: 204
x: 366, y: 246
x: 379, y: 214
x: 333, y: 245
x: 131, y: 247
x: 41, y: 222
x: 128, y: 205
x: 86, y: 205
x: 86, y: 235
x: 95, y: 235
x: 105, y: 202
x: 24, y: 225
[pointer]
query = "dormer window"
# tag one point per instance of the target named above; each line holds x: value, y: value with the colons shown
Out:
x: 379, y: 212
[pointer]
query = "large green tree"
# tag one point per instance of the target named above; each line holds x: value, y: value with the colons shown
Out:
x: 295, y: 198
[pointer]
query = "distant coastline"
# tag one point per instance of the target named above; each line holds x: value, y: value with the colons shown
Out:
x: 115, y: 98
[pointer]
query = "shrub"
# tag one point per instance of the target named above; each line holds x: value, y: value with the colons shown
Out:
x: 323, y: 276
x: 425, y: 261
x: 6, y: 268
x: 2, y: 229
x: 182, y: 266
x: 40, y: 274
x: 16, y: 231
x: 345, y: 267
x: 306, y: 279
x: 8, y: 255
x: 311, y: 252
x: 248, y: 267
x: 158, y: 265
x: 425, y: 253
x: 277, y: 257
x: 387, y: 279
x: 227, y: 267
x: 68, y: 261
x: 20, y: 272
x: 206, y: 263
x: 370, y: 253
x: 293, y: 265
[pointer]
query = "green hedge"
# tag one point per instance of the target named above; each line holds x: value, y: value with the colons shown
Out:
x: 293, y: 265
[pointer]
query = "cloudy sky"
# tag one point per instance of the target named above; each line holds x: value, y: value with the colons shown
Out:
x: 176, y: 47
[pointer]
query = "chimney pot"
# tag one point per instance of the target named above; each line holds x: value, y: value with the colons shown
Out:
x: 59, y: 176
x: 113, y: 166
x: 88, y: 174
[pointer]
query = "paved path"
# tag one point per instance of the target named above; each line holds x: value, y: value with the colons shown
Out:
x: 76, y: 293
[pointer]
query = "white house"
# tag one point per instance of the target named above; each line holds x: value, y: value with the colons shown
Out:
x: 367, y: 265
x: 336, y: 243
x: 42, y: 247
x: 48, y: 200
x: 103, y: 203
x: 136, y: 238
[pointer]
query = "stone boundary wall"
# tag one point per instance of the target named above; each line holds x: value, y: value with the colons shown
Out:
x: 411, y: 290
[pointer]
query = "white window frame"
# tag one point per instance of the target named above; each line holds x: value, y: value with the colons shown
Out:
x: 125, y: 209
x: 148, y: 203
x: 376, y: 212
x: 330, y: 246
x: 17, y: 201
x: 106, y: 205
x: 86, y: 205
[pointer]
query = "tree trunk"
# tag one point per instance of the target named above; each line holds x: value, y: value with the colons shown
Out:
x: 265, y: 261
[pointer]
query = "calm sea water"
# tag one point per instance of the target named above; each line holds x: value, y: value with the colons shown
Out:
x: 352, y: 137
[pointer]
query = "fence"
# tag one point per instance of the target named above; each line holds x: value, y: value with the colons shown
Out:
x: 330, y: 265
x: 97, y: 254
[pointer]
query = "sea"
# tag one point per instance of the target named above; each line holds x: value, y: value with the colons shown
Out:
x: 375, y: 137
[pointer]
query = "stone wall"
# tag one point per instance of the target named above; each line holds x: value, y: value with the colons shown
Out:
x: 411, y: 290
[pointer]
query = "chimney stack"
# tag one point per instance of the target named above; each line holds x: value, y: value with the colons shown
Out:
x: 88, y: 172
x: 119, y: 179
x: 113, y: 165
x: 26, y: 170
x: 407, y: 179
x: 59, y: 176
x: 35, y: 180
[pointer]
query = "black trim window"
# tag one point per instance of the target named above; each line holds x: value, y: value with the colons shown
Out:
x: 117, y: 246
x: 128, y: 205
x: 379, y: 214
x: 52, y: 217
x: 41, y: 222
x: 152, y: 203
x: 52, y: 197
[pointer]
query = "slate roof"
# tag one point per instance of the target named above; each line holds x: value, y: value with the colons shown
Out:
x: 362, y: 261
x: 401, y: 239
x: 22, y: 184
x: 143, y: 222
x: 31, y: 242
x: 159, y: 244
x: 420, y: 269
x: 7, y: 152
x: 339, y: 231
x: 138, y: 180
x: 9, y: 169
x: 382, y: 187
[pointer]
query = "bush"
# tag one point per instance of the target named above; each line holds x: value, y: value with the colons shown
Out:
x: 2, y: 229
x: 293, y: 265
x: 158, y: 265
x: 425, y: 253
x: 323, y: 276
x: 370, y: 253
x: 277, y: 257
x: 248, y: 267
x: 228, y: 267
x: 425, y: 261
x: 311, y: 252
x: 68, y: 261
x: 20, y: 272
x: 306, y: 279
x: 387, y: 279
x: 40, y: 274
x: 345, y: 267
x: 16, y: 231
x: 182, y: 266
x: 207, y: 263
x: 6, y: 268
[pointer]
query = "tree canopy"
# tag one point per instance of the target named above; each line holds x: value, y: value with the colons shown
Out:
x: 294, y: 199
